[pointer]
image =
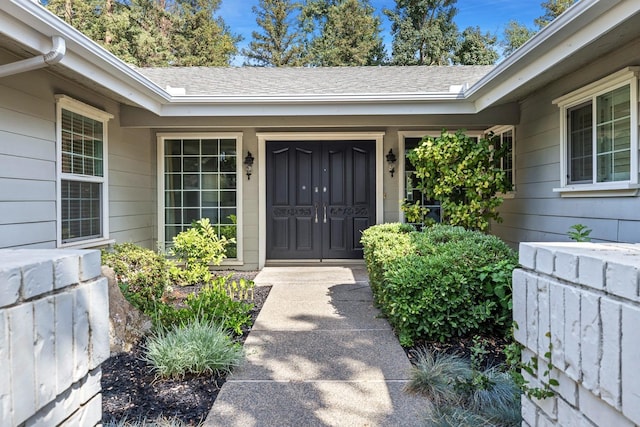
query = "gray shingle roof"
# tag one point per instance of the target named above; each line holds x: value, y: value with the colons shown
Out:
x: 257, y: 81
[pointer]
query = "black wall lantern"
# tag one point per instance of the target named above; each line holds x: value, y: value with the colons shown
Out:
x: 391, y: 160
x: 248, y: 164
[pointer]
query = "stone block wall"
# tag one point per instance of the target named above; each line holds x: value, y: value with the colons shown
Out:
x: 54, y: 334
x: 586, y: 296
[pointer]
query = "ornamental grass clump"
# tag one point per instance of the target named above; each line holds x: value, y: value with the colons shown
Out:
x: 461, y: 395
x: 199, y: 347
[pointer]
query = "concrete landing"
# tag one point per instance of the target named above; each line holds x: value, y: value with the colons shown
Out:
x: 319, y: 355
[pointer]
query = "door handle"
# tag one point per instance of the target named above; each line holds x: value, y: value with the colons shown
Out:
x: 316, y: 205
x: 324, y: 218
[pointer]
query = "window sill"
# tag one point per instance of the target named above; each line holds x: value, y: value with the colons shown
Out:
x: 88, y: 244
x: 507, y: 195
x: 233, y: 262
x: 611, y: 189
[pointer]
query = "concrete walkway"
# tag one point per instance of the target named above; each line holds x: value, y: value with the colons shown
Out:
x: 319, y: 355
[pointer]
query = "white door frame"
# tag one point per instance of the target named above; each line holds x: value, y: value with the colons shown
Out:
x: 378, y: 137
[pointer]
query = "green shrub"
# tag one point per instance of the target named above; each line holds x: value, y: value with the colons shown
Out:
x: 229, y: 232
x: 199, y: 347
x: 142, y: 274
x: 382, y: 243
x: 213, y: 303
x: 195, y: 249
x: 464, y: 174
x: 439, y: 283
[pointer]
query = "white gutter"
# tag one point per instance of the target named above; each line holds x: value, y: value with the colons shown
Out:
x: 52, y: 57
x: 317, y: 98
x: 543, y: 48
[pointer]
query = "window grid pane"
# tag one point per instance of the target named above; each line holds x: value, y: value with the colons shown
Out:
x: 81, y: 205
x: 506, y: 140
x: 200, y: 182
x: 580, y: 147
x: 412, y: 193
x: 82, y: 144
x: 613, y: 135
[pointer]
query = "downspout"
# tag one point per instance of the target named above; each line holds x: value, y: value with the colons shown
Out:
x: 52, y: 57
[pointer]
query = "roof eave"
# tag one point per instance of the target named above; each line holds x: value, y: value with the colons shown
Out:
x: 32, y: 25
x: 310, y: 106
x: 566, y: 35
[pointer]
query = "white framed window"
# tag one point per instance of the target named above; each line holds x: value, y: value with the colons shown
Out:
x: 200, y: 176
x: 505, y: 137
x: 82, y: 173
x: 599, y: 137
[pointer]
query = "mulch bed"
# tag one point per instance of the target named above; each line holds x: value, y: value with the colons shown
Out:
x: 461, y: 346
x: 131, y: 391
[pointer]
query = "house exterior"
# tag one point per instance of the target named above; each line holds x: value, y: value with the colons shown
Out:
x: 94, y: 151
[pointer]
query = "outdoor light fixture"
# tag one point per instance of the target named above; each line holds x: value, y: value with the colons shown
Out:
x: 248, y: 164
x: 391, y: 159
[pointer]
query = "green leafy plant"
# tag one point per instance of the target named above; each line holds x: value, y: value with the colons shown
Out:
x: 496, y: 280
x: 478, y: 352
x: 142, y: 274
x: 513, y: 354
x: 195, y: 249
x: 214, y: 303
x: 415, y: 213
x: 464, y: 174
x: 579, y: 233
x: 428, y: 284
x: 229, y: 232
x: 199, y: 347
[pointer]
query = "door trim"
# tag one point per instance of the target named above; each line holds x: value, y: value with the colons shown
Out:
x: 263, y: 137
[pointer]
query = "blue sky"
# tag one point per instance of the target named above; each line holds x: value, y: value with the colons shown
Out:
x: 489, y: 15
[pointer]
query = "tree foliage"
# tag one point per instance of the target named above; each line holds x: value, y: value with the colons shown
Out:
x: 464, y: 174
x: 423, y: 32
x: 280, y: 41
x: 153, y: 32
x: 342, y: 33
x: 476, y: 48
x: 516, y: 33
x: 552, y: 9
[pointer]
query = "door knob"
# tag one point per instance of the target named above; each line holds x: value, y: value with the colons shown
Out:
x: 316, y: 217
x: 324, y: 219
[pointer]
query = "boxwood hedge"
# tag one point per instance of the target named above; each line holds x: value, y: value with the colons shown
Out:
x: 441, y: 282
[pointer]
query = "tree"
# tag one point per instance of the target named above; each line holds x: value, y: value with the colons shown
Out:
x: 153, y: 32
x: 280, y: 43
x: 342, y: 33
x: 552, y: 9
x: 198, y: 38
x: 464, y: 175
x: 423, y: 32
x: 515, y: 35
x: 476, y: 48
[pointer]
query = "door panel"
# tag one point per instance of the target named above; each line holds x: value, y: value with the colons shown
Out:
x: 320, y: 197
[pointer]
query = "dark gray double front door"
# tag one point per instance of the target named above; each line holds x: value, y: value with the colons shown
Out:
x: 320, y: 197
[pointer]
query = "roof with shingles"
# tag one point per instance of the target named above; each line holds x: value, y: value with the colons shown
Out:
x: 263, y: 81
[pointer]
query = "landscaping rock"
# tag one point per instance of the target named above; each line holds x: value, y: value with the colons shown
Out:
x: 127, y: 324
